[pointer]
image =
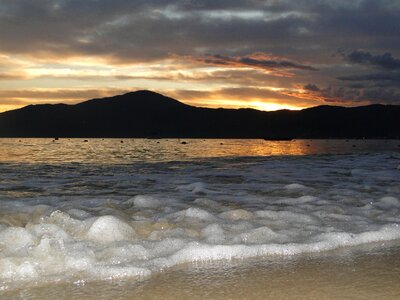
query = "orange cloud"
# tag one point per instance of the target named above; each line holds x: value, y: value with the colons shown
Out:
x: 12, y: 99
x: 274, y: 65
x: 13, y: 76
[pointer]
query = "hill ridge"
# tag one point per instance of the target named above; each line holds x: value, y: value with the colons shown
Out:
x: 149, y: 114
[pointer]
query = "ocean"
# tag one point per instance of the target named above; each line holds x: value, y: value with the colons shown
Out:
x: 205, y: 219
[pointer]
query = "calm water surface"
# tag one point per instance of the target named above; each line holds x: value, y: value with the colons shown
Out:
x: 120, y: 151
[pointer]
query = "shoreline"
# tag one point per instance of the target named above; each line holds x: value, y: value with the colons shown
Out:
x: 360, y: 272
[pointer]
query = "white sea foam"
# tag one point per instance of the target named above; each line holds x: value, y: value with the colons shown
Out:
x: 144, y: 201
x: 110, y: 229
x: 159, y: 220
x: 295, y: 186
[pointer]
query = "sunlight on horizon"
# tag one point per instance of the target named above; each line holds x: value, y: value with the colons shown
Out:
x: 189, y: 79
x: 237, y: 104
x: 213, y: 103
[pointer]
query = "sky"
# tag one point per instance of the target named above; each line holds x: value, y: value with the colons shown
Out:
x: 267, y: 55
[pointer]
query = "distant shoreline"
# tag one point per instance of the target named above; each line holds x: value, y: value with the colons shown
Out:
x: 195, y: 138
x: 145, y: 114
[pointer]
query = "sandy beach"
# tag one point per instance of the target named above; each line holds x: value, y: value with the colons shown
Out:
x: 365, y: 272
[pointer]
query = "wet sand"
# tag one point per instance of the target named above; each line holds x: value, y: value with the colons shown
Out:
x: 364, y: 272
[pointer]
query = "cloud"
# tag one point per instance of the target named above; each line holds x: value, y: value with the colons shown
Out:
x: 366, y: 85
x: 55, y: 95
x: 132, y: 30
x: 390, y: 76
x: 257, y: 44
x: 387, y: 95
x: 312, y: 87
x: 359, y: 94
x: 261, y: 61
x: 12, y: 76
x: 385, y: 61
x: 200, y: 73
x: 128, y: 31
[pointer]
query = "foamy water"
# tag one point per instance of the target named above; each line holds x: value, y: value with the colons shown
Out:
x: 84, y: 218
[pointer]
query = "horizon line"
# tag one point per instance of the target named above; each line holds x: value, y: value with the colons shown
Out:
x: 207, y: 107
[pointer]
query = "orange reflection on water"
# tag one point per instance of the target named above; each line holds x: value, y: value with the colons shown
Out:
x: 256, y: 147
x: 122, y: 151
x: 271, y: 148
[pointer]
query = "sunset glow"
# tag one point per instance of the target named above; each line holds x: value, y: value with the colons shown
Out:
x: 199, y: 149
x: 267, y: 56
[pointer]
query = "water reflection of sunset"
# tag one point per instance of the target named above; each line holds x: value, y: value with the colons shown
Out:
x: 133, y: 150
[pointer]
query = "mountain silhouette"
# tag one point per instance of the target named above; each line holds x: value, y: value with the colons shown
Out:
x: 148, y: 114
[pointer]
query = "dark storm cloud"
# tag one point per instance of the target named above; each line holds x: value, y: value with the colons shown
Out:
x: 258, y: 60
x: 385, y: 61
x: 311, y: 87
x: 390, y: 96
x: 368, y: 24
x: 356, y: 86
x: 141, y: 30
x: 356, y: 93
x: 381, y: 86
x: 134, y: 30
x: 392, y: 76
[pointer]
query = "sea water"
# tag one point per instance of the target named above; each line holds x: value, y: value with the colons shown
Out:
x: 75, y: 211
